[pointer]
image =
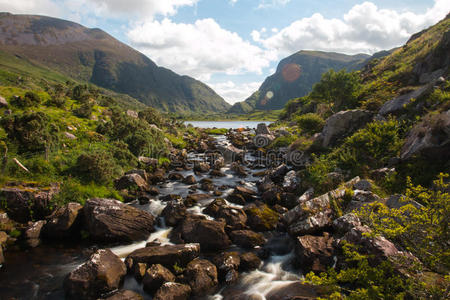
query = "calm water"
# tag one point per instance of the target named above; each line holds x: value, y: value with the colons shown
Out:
x: 225, y: 124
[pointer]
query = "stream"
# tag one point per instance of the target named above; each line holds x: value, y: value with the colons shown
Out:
x: 39, y: 273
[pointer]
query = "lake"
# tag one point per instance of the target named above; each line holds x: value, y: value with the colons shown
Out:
x: 225, y: 124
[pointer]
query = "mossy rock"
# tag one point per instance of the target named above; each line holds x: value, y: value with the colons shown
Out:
x: 261, y: 217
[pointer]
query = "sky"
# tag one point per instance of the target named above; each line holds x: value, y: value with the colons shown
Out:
x: 233, y: 45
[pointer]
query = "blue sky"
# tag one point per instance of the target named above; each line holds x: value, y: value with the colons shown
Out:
x: 233, y: 45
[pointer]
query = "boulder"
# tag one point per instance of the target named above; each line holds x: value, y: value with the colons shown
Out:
x: 132, y: 113
x: 208, y: 233
x: 20, y: 202
x: 167, y: 255
x: 174, y: 212
x: 291, y: 182
x: 234, y: 217
x: 201, y: 167
x: 397, y: 105
x: 294, y: 291
x: 33, y: 233
x: 70, y: 136
x: 175, y: 176
x: 277, y: 174
x: 247, y: 238
x: 238, y: 169
x: 249, y: 261
x: 133, y: 182
x: 431, y: 137
x: 158, y: 176
x: 102, y: 273
x: 189, y: 180
x: 260, y: 217
x: 314, y: 253
x: 173, y: 291
x: 3, y: 102
x: 263, y: 140
x: 230, y: 153
x: 262, y: 128
x: 139, y: 270
x: 201, y: 275
x: 110, y: 220
x: 346, y: 223
x: 155, y: 277
x: 63, y: 222
x: 125, y: 295
x: 363, y: 185
x: 397, y: 201
x: 227, y: 264
x: 343, y: 124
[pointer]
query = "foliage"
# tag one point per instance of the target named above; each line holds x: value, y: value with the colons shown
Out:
x: 310, y: 123
x: 33, y: 131
x: 421, y: 229
x: 85, y: 110
x: 98, y: 167
x: 74, y: 191
x: 151, y: 116
x: 370, y: 147
x: 339, y: 89
x: 364, y: 280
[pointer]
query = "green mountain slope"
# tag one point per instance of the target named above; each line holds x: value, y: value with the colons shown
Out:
x: 94, y: 56
x: 295, y: 76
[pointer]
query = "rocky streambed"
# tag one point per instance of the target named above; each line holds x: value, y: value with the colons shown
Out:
x: 223, y: 226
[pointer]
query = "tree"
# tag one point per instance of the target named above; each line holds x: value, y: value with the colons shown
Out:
x: 339, y: 89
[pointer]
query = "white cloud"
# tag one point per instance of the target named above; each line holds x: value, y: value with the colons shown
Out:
x: 272, y: 3
x: 364, y: 28
x: 234, y: 92
x: 142, y: 8
x: 43, y: 7
x: 199, y: 49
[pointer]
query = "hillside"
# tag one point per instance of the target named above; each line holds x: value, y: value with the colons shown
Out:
x: 295, y: 76
x: 92, y: 55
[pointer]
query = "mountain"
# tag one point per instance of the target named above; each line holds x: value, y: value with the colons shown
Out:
x: 295, y: 76
x: 92, y: 55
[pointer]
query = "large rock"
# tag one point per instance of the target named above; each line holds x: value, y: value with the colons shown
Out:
x: 227, y: 264
x: 209, y: 234
x: 125, y: 295
x: 173, y: 291
x: 249, y: 262
x: 32, y: 233
x: 101, y: 274
x: 24, y: 203
x: 314, y: 215
x: 132, y: 182
x: 314, y: 253
x: 234, y: 217
x: 343, y: 124
x: 431, y: 138
x: 260, y: 217
x: 174, y: 212
x: 397, y: 105
x: 345, y: 223
x: 109, y: 220
x: 63, y: 222
x: 294, y: 291
x: 155, y: 276
x: 3, y: 102
x: 247, y: 238
x: 230, y: 153
x: 201, y: 275
x: 262, y: 128
x: 201, y: 167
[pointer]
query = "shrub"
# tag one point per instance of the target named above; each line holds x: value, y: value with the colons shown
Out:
x: 151, y: 116
x: 310, y: 123
x: 98, y: 167
x: 423, y: 230
x: 339, y: 89
x: 32, y: 131
x: 85, y: 110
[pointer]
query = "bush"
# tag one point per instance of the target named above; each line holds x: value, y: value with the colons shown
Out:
x: 98, y: 167
x: 151, y: 116
x: 85, y: 110
x: 423, y: 230
x: 370, y: 147
x: 30, y: 99
x: 310, y: 123
x: 32, y: 131
x: 339, y: 89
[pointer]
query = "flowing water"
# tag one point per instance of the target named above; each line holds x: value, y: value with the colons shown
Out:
x: 38, y: 273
